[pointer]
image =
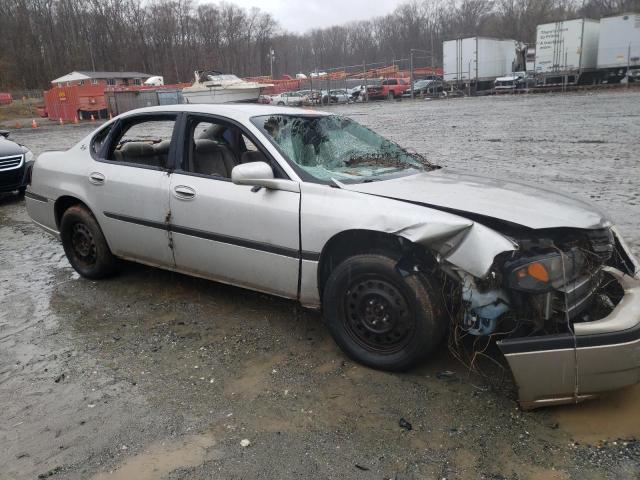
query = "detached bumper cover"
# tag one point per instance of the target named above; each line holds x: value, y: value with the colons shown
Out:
x: 602, y: 355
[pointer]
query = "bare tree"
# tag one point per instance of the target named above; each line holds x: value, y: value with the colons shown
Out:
x: 43, y: 39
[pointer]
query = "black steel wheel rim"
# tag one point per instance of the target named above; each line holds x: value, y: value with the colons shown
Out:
x: 378, y: 316
x: 83, y: 244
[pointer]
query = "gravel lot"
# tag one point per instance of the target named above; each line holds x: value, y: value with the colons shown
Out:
x: 156, y: 375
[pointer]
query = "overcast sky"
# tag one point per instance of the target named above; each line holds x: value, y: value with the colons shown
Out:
x: 302, y: 15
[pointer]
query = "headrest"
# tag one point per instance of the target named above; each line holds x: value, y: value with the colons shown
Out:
x: 137, y: 149
x: 248, y: 157
x: 162, y: 146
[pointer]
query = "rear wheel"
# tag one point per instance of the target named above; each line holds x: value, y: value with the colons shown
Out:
x: 85, y: 245
x: 281, y: 104
x: 381, y: 318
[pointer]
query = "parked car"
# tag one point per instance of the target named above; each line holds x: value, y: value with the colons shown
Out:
x: 514, y: 81
x: 425, y: 88
x: 15, y: 165
x: 390, y: 88
x: 292, y: 99
x: 357, y: 92
x: 337, y: 96
x: 395, y: 251
x: 310, y: 97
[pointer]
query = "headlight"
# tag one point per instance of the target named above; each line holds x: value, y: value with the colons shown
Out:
x: 544, y: 272
x: 29, y: 156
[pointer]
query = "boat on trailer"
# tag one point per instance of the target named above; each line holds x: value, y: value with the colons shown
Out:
x: 218, y: 87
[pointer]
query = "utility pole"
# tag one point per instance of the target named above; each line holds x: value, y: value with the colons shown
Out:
x: 411, y: 72
x: 433, y: 65
x: 364, y: 74
x: 272, y: 57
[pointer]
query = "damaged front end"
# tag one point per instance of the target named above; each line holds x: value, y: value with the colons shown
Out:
x: 564, y: 307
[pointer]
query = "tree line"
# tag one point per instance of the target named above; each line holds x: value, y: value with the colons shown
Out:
x: 43, y: 39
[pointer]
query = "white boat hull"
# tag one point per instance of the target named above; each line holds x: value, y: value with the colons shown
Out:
x: 221, y: 95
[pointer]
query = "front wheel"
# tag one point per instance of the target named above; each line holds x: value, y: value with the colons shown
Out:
x: 85, y: 245
x: 381, y: 318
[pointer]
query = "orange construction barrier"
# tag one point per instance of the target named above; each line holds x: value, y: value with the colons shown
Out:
x: 93, y: 119
x: 75, y: 119
x: 34, y: 124
x: 18, y: 125
x: 61, y: 122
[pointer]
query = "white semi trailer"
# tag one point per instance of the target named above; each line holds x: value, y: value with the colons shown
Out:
x: 476, y: 62
x: 567, y: 52
x: 619, y: 48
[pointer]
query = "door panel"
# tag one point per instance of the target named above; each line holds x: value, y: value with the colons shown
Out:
x: 234, y: 234
x: 133, y: 204
x: 129, y: 183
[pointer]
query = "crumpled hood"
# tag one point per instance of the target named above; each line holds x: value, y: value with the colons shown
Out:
x: 502, y: 199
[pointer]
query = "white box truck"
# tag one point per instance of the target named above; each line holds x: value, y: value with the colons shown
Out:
x: 619, y: 48
x: 477, y: 61
x: 567, y: 51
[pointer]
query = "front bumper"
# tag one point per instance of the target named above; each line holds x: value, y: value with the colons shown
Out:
x: 13, y: 179
x: 599, y: 356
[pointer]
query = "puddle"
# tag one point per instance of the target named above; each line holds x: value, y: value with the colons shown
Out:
x: 612, y: 416
x: 162, y: 458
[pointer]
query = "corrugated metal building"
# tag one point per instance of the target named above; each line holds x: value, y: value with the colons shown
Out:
x: 120, y: 101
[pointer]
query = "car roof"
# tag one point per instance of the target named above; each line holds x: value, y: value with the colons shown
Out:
x: 239, y: 112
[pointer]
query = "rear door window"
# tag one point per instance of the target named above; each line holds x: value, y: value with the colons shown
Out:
x: 145, y: 142
x: 98, y: 140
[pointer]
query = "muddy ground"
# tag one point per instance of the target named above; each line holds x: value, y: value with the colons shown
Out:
x: 156, y: 375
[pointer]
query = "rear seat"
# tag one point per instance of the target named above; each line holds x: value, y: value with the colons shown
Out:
x: 138, y: 152
x: 162, y: 152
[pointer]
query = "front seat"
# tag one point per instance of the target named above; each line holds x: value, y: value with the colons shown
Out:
x: 252, y: 156
x: 211, y: 158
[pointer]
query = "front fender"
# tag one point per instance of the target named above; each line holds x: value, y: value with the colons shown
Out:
x: 326, y: 211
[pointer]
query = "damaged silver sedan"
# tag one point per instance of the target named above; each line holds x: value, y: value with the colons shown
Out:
x: 398, y: 253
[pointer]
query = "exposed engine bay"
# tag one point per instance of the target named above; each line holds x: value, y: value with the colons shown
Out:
x: 552, y: 281
x: 556, y: 279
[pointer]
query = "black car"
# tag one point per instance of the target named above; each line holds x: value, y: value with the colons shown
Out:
x: 15, y: 161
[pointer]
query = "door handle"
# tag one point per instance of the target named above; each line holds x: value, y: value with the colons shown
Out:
x: 96, y: 178
x: 184, y: 193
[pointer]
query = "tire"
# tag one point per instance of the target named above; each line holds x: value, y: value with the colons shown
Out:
x: 85, y: 245
x: 22, y: 191
x: 391, y: 95
x: 281, y: 104
x: 381, y: 318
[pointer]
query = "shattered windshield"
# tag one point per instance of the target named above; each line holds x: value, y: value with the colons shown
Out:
x: 332, y: 147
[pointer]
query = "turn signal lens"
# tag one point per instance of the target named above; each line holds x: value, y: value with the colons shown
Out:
x: 543, y: 272
x: 538, y: 271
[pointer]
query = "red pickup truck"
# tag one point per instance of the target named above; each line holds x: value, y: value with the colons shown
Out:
x: 389, y: 88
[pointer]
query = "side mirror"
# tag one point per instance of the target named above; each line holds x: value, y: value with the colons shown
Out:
x: 260, y: 174
x: 4, y: 133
